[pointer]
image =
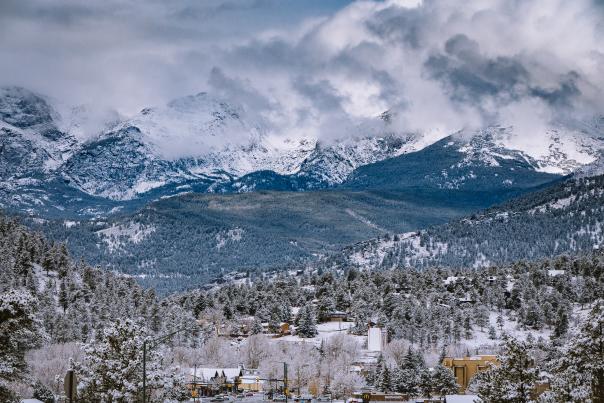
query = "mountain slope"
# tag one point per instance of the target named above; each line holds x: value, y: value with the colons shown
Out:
x: 477, y: 163
x: 54, y: 163
x: 200, y: 235
x: 564, y: 218
x: 195, y: 143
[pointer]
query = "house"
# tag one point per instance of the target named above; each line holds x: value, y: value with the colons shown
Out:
x: 372, y: 396
x: 283, y: 329
x: 250, y: 381
x: 465, y: 300
x: 452, y: 279
x: 211, y: 381
x: 462, y: 399
x: 337, y: 316
x: 465, y: 368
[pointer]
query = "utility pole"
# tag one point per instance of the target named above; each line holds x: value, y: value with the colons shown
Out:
x: 195, y: 381
x: 285, y: 391
x: 145, y: 371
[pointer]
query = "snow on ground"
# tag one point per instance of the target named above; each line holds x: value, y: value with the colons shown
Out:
x: 117, y: 235
x: 231, y: 235
x: 326, y: 331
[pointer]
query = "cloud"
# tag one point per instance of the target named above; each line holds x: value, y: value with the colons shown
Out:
x: 312, y: 70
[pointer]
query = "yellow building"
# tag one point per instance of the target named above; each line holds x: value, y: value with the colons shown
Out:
x: 250, y: 381
x: 465, y: 368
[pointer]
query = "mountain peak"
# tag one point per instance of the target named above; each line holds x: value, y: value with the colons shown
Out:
x: 23, y: 108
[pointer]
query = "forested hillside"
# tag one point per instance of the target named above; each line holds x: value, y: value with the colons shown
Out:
x: 431, y: 307
x: 200, y: 236
x: 536, y: 316
x: 565, y: 218
x: 47, y: 298
x: 47, y: 302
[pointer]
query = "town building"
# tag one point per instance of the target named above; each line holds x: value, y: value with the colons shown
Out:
x: 465, y: 368
x: 375, y: 339
x: 212, y: 381
x: 337, y: 316
x: 462, y: 399
x: 250, y: 381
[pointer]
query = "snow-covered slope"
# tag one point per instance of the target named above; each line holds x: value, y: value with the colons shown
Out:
x: 564, y: 218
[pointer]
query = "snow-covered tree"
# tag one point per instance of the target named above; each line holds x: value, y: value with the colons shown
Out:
x: 307, y: 324
x: 513, y: 380
x: 492, y: 333
x: 408, y: 377
x: 384, y: 379
x: 19, y: 332
x: 42, y: 393
x: 579, y: 371
x: 113, y: 367
x: 560, y: 324
x: 256, y: 327
x: 443, y: 381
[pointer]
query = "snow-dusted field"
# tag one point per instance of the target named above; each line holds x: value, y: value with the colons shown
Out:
x: 326, y: 331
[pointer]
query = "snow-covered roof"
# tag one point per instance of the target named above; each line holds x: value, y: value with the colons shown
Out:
x: 31, y: 401
x: 476, y: 357
x: 462, y: 399
x: 452, y: 279
x: 231, y: 373
x: 554, y: 273
x: 206, y: 374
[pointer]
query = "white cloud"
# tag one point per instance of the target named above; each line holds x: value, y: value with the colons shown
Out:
x: 440, y: 66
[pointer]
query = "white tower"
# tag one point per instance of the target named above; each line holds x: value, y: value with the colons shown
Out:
x: 374, y: 339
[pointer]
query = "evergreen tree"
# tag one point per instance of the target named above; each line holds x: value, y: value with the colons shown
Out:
x: 481, y: 317
x: 560, y: 324
x: 307, y: 325
x: 409, y: 374
x: 513, y: 380
x: 425, y: 383
x: 500, y: 322
x: 492, y: 333
x: 63, y: 297
x: 326, y: 305
x: 467, y: 327
x: 443, y: 381
x: 19, y: 331
x: 42, y: 393
x: 112, y: 368
x: 579, y: 371
x: 384, y: 381
x: 256, y: 327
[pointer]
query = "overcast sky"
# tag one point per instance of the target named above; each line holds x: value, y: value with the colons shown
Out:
x: 318, y: 67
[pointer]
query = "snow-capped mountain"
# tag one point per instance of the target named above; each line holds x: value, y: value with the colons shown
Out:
x: 206, y: 140
x: 193, y: 143
x: 485, y: 159
x: 205, y: 144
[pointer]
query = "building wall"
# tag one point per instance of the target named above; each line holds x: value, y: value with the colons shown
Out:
x: 374, y: 339
x: 465, y: 368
